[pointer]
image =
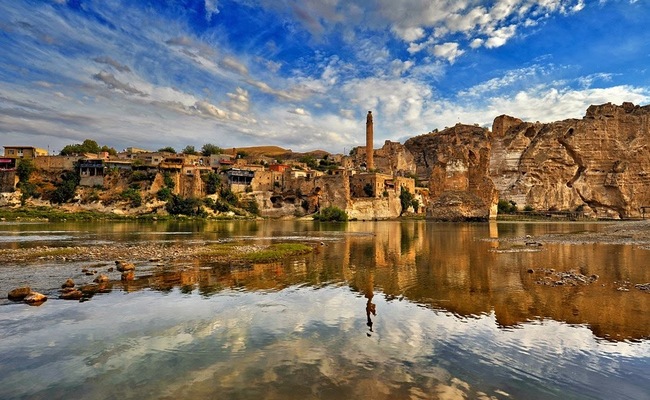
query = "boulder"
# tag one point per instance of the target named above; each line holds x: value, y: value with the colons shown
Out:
x: 35, y: 298
x: 101, y: 279
x: 68, y: 284
x: 72, y: 294
x: 19, y: 294
x: 124, y: 266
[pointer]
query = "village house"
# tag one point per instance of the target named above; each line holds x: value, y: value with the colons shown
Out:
x: 25, y: 152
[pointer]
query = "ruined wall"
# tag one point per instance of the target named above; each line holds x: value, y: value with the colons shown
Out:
x: 598, y: 164
x: 392, y: 158
x: 455, y: 163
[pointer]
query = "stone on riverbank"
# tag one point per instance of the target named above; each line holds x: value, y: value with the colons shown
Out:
x: 35, y: 298
x: 19, y: 294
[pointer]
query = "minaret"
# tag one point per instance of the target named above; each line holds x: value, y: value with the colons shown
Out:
x: 370, y: 160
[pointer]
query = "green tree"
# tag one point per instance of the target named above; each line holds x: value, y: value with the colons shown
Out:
x: 24, y: 170
x: 309, y: 160
x: 109, y: 150
x: 212, y: 182
x: 229, y: 196
x: 190, y: 150
x: 167, y: 149
x: 406, y: 199
x: 331, y: 214
x: 506, y: 207
x: 209, y: 149
x: 65, y: 190
x: 190, y: 206
x: 88, y: 146
x: 167, y: 180
x: 252, y: 207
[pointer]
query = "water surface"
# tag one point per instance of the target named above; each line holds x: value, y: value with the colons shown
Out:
x: 407, y: 309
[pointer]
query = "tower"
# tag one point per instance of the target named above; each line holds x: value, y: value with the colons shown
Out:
x: 370, y: 160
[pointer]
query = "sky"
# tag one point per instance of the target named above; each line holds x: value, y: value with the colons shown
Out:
x: 303, y: 74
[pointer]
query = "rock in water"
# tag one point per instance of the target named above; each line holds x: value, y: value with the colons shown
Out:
x: 19, y: 294
x: 124, y: 266
x: 68, y: 284
x: 73, y: 294
x: 128, y: 275
x: 35, y: 298
x: 101, y: 279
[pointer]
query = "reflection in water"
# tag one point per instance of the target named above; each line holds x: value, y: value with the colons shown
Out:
x: 466, y: 318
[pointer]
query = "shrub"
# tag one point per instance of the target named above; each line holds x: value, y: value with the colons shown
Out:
x: 190, y: 206
x: 506, y: 207
x: 332, y: 213
x: 66, y: 188
x: 139, y: 176
x: 212, y: 182
x: 252, y: 207
x: 24, y: 170
x: 406, y: 199
x: 133, y: 196
x: 164, y: 194
x: 528, y: 208
x: 168, y: 181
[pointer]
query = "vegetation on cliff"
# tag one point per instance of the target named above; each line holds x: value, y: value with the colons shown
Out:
x: 331, y: 214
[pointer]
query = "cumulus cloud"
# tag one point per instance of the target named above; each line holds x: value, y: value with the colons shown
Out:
x: 449, y: 51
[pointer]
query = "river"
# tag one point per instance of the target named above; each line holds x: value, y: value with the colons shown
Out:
x: 379, y: 310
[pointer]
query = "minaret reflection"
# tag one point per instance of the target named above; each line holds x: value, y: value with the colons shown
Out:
x: 371, y: 308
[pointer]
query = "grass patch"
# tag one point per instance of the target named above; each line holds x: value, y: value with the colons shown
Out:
x: 256, y: 254
x: 277, y: 252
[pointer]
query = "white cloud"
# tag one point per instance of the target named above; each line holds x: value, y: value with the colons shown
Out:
x: 234, y: 65
x: 211, y: 8
x: 449, y: 51
x: 298, y: 111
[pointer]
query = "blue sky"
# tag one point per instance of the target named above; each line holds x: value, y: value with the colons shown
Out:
x: 303, y: 74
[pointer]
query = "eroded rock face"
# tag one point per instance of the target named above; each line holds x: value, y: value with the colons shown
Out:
x: 455, y: 163
x: 600, y: 164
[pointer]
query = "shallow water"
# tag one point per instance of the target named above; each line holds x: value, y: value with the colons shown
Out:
x: 457, y: 315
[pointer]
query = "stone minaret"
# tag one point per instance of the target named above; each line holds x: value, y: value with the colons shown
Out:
x: 370, y: 160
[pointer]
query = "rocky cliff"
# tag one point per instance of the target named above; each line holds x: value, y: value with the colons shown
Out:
x: 599, y: 164
x: 455, y: 163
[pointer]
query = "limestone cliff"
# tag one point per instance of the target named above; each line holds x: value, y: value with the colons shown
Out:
x: 455, y: 163
x: 599, y: 164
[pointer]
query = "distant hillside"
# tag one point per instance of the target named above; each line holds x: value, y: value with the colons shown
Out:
x: 276, y: 152
x: 269, y: 151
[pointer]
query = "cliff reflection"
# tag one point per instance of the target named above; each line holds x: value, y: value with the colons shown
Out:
x: 452, y: 267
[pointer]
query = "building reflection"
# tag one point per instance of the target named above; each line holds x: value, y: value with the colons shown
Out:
x: 458, y: 268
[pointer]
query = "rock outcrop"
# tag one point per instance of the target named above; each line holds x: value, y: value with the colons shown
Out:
x: 599, y: 164
x: 455, y: 163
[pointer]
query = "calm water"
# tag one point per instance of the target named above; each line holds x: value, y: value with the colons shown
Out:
x: 381, y: 310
